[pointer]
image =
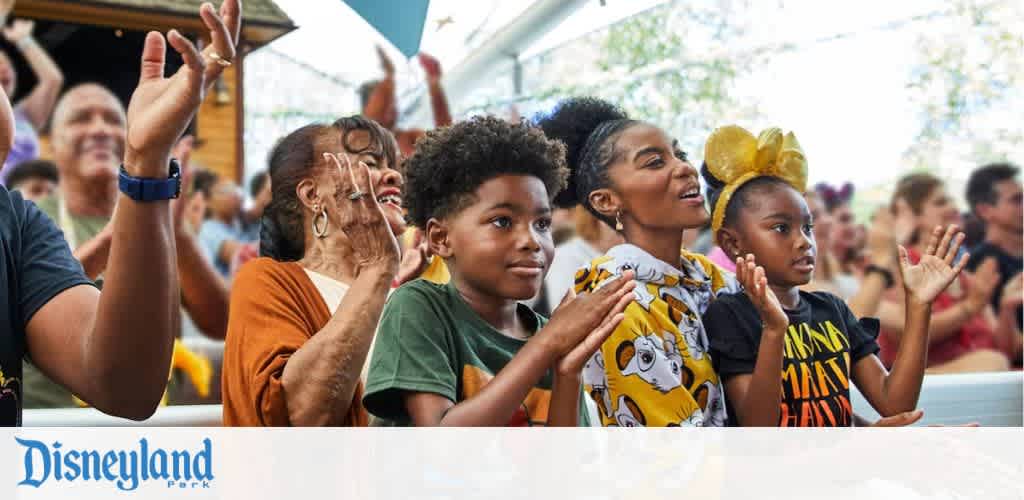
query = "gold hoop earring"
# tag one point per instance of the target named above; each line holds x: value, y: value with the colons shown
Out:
x: 319, y: 233
x: 618, y: 222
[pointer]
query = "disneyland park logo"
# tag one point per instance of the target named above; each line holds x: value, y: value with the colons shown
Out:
x: 125, y: 469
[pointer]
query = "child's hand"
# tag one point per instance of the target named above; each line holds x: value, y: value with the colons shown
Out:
x: 911, y: 417
x: 929, y: 277
x: 577, y: 321
x: 572, y: 363
x: 755, y: 284
x: 900, y: 419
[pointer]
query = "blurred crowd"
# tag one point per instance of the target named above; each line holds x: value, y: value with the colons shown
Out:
x: 357, y: 275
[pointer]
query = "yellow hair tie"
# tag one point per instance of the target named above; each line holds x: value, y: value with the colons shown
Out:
x: 735, y: 157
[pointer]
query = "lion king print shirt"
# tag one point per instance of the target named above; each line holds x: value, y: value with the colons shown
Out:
x: 655, y: 369
x: 823, y: 341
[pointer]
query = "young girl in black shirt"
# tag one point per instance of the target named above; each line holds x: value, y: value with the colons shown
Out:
x: 812, y: 339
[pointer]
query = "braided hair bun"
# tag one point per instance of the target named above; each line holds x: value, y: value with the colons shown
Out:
x: 574, y: 122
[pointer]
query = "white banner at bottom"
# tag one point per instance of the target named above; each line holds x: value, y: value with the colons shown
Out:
x: 237, y: 464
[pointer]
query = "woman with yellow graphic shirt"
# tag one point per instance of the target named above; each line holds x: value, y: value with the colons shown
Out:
x: 654, y: 369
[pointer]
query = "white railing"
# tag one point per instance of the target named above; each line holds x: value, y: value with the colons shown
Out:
x: 167, y: 416
x: 991, y: 399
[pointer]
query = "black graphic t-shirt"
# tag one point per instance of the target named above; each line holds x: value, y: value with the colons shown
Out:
x: 36, y: 265
x: 823, y: 341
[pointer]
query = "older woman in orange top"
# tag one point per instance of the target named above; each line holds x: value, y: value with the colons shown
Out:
x: 303, y: 316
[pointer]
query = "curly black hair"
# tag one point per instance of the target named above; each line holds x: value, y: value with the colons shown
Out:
x: 452, y: 162
x: 742, y: 197
x: 588, y: 127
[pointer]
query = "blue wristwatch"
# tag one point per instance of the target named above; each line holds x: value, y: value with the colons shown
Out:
x: 146, y: 189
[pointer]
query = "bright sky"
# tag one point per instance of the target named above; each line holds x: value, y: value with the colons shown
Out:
x: 845, y: 99
x: 332, y: 37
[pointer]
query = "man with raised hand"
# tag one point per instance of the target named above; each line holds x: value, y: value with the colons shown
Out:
x: 113, y: 349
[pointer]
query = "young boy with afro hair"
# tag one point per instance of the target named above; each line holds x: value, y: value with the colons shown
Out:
x: 467, y: 353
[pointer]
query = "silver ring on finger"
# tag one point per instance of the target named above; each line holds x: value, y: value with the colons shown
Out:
x: 356, y: 196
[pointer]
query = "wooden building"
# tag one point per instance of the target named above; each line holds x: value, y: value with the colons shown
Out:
x: 101, y: 41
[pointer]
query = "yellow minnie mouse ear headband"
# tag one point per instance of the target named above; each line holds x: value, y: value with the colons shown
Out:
x: 734, y: 157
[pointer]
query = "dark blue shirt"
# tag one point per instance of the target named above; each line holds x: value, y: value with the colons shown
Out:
x: 36, y: 265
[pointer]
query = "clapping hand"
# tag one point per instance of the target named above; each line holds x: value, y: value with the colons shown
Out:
x: 1013, y: 293
x: 924, y: 281
x: 981, y: 284
x: 431, y: 66
x: 581, y: 323
x: 755, y: 284
x: 161, y: 107
x: 902, y: 222
x: 882, y: 240
x: 362, y: 220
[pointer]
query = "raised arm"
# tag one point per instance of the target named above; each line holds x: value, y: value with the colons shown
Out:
x: 757, y: 397
x: 881, y: 246
x: 39, y: 103
x: 438, y: 100
x: 896, y: 392
x: 204, y: 293
x: 321, y: 377
x: 118, y: 361
x: 980, y: 286
x: 381, y: 103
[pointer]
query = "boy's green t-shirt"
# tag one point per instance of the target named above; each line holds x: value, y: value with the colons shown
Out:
x: 429, y: 340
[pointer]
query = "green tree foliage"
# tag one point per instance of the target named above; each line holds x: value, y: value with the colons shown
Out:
x: 967, y: 83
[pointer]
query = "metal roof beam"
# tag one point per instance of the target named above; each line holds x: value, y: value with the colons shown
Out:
x: 513, y: 39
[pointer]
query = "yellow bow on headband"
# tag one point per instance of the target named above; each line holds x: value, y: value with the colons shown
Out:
x: 734, y: 156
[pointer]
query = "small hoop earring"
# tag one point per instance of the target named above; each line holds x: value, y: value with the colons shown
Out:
x: 618, y: 222
x: 319, y: 233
